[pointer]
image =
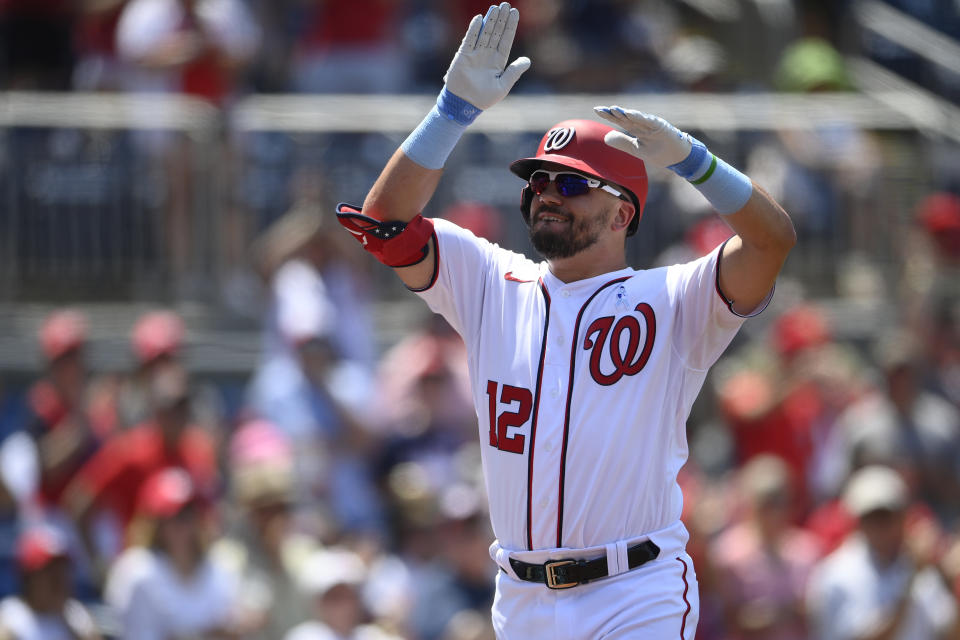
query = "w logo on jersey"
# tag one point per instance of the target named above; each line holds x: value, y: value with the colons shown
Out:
x: 558, y: 138
x: 626, y: 359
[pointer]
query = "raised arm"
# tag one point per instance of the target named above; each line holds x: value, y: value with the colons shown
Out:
x: 751, y: 259
x: 477, y: 79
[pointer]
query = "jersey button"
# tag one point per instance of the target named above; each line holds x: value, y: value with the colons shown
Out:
x: 565, y: 293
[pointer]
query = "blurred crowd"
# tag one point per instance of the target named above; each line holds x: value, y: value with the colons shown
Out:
x: 340, y: 496
x: 216, y: 49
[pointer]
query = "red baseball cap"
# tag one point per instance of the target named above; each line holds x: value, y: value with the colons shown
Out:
x: 939, y: 213
x: 38, y: 546
x: 166, y: 493
x: 62, y: 332
x: 157, y: 333
x: 800, y: 328
x: 580, y: 145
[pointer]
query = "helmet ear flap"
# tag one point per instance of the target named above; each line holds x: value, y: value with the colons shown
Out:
x: 526, y: 199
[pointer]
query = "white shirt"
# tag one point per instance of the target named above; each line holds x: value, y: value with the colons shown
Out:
x: 156, y: 603
x: 145, y: 24
x: 25, y: 624
x: 848, y: 595
x: 582, y: 441
x: 315, y: 630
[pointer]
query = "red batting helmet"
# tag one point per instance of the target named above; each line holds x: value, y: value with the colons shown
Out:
x: 579, y: 144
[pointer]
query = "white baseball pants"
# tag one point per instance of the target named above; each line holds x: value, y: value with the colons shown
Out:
x: 658, y: 601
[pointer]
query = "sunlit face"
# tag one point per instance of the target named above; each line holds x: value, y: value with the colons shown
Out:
x: 884, y: 531
x: 561, y: 227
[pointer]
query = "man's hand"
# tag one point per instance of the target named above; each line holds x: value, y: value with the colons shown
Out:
x: 479, y: 73
x: 648, y: 137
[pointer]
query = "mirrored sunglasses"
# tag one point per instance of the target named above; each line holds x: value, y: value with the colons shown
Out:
x: 568, y: 184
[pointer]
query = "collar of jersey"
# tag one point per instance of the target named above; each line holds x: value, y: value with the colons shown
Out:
x: 554, y: 283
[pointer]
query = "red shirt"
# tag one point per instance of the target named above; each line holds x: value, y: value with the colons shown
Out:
x: 114, y: 475
x: 51, y: 411
x: 357, y: 23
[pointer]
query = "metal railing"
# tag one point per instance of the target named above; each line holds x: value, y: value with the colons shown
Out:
x: 105, y: 196
x: 157, y: 197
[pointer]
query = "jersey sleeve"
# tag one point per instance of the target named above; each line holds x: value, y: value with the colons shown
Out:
x: 464, y: 265
x: 705, y: 321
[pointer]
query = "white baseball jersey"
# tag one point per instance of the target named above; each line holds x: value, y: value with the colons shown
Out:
x: 582, y: 389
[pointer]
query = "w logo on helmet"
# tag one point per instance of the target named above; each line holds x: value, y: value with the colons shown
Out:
x: 558, y: 138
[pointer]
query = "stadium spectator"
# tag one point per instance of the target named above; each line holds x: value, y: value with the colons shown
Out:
x: 196, y: 47
x: 306, y: 384
x: 158, y: 341
x: 908, y: 427
x: 19, y: 478
x: 70, y: 416
x: 335, y: 578
x: 351, y: 47
x: 98, y: 66
x: 464, y: 532
x: 762, y: 560
x: 264, y: 552
x: 785, y: 401
x: 111, y: 480
x: 929, y: 286
x: 315, y: 283
x: 165, y: 587
x: 880, y: 583
x: 426, y: 392
x: 44, y: 608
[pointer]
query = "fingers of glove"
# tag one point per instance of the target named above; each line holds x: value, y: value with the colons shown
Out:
x: 489, y: 24
x: 646, y: 121
x: 623, y: 142
x: 607, y: 114
x: 636, y: 121
x: 500, y: 25
x: 473, y: 32
x: 509, y: 32
x: 513, y: 71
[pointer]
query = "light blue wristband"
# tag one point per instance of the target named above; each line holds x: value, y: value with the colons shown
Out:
x: 431, y: 143
x: 456, y: 108
x: 726, y: 189
x: 695, y: 164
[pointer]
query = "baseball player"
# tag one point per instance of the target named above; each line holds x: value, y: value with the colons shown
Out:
x: 583, y: 369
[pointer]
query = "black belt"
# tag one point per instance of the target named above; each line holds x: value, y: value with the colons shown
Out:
x: 563, y: 574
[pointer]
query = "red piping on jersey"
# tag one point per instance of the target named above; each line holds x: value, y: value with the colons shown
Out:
x: 566, y: 417
x: 436, y: 266
x: 686, y: 588
x: 536, y: 410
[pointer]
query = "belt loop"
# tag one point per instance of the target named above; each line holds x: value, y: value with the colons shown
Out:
x: 613, y: 561
x: 503, y: 559
x: 622, y: 561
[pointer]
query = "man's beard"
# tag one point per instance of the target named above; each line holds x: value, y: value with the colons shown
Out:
x: 580, y: 234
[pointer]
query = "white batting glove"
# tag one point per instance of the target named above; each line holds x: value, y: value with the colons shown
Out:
x: 479, y: 74
x: 657, y: 142
x: 648, y: 137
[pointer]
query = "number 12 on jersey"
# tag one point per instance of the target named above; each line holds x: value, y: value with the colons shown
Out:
x: 520, y: 402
